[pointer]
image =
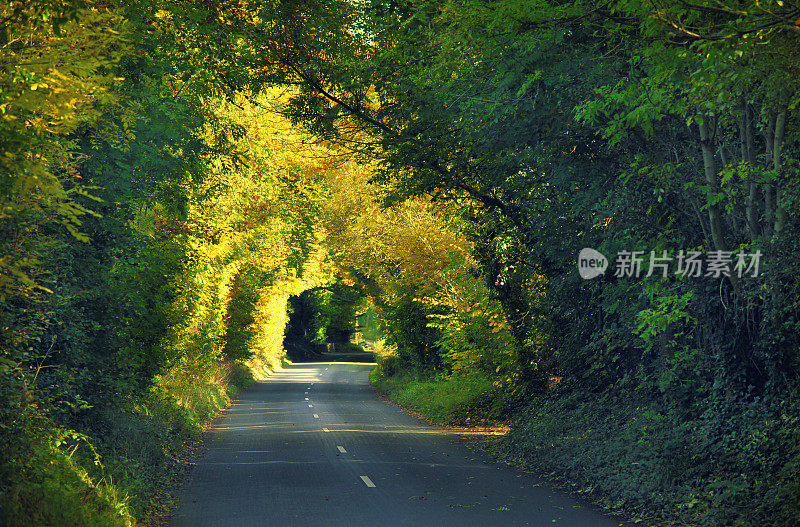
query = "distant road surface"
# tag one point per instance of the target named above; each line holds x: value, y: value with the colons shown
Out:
x: 313, y: 445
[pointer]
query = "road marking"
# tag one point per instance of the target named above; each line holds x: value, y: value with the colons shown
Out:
x: 368, y: 482
x: 325, y: 430
x: 316, y: 416
x: 342, y: 450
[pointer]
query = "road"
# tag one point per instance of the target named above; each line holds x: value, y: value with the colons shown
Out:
x: 313, y: 445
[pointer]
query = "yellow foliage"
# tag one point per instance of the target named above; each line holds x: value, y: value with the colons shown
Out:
x: 423, y: 247
x: 50, y: 84
x: 246, y: 216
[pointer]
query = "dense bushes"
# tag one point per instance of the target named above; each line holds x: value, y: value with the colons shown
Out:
x: 631, y: 452
x: 48, y: 475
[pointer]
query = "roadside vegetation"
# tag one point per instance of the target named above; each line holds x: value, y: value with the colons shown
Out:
x: 451, y: 400
x: 153, y: 230
x: 184, y: 184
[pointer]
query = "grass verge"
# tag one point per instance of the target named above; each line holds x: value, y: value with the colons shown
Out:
x: 629, y: 453
x: 124, y: 477
x: 456, y: 400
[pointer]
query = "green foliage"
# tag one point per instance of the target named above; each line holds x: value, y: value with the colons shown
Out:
x: 42, y: 474
x: 654, y: 322
x: 455, y: 400
x: 334, y: 313
x: 699, y: 466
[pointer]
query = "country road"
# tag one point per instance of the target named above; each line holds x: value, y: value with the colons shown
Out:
x: 313, y: 445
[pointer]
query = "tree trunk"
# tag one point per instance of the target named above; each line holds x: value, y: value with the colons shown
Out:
x: 780, y: 129
x: 752, y: 218
x: 748, y: 156
x: 712, y: 181
x: 738, y: 209
x: 769, y: 195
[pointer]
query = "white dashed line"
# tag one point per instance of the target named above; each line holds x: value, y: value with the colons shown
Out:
x: 342, y: 450
x: 316, y: 416
x: 368, y: 482
x: 325, y: 430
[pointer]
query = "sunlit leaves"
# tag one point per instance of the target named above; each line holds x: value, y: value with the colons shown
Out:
x: 57, y: 67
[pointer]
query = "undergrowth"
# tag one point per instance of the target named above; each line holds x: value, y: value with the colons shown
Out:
x: 631, y: 450
x: 731, y: 466
x: 63, y: 478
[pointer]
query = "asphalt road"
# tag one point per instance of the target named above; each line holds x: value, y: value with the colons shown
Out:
x: 313, y: 445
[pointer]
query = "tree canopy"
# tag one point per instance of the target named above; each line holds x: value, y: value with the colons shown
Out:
x: 173, y: 173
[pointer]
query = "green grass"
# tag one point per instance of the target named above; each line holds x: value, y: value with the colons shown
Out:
x: 51, y: 486
x: 445, y: 400
x: 143, y: 458
x: 51, y: 481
